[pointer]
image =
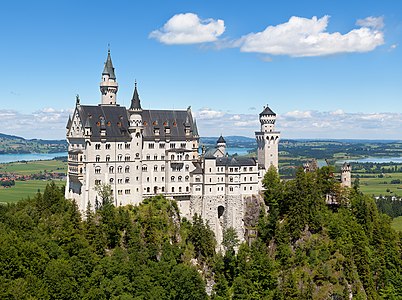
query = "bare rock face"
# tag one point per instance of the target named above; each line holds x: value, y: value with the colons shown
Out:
x: 253, y: 205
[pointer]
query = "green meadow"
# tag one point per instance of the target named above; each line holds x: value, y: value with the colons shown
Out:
x: 397, y: 224
x: 24, y: 189
x: 34, y: 167
x: 381, y: 186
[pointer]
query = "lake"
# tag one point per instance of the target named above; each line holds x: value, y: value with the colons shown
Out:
x: 239, y: 151
x: 378, y: 160
x: 6, y: 158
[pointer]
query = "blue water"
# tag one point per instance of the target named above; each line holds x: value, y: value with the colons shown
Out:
x: 6, y: 158
x: 378, y: 160
x: 239, y: 151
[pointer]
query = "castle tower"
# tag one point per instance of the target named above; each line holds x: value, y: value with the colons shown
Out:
x: 136, y: 130
x: 346, y: 175
x: 221, y: 145
x: 267, y: 140
x: 108, y: 85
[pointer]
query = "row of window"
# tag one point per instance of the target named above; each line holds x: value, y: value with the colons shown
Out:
x: 108, y: 146
x: 98, y: 169
x: 221, y: 169
x: 119, y: 157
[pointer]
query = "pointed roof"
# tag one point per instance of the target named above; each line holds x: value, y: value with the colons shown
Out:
x: 195, y: 129
x: 135, y: 101
x: 69, y: 122
x: 108, y: 69
x: 221, y: 140
x: 267, y: 111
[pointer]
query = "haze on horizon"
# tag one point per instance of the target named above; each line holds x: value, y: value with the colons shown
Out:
x: 327, y: 71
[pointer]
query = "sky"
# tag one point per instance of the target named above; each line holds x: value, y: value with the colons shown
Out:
x: 329, y: 69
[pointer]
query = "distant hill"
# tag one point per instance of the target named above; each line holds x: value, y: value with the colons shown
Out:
x: 11, y: 144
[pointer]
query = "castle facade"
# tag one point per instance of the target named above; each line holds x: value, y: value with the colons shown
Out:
x: 141, y: 153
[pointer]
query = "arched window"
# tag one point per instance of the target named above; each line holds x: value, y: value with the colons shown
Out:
x: 111, y: 169
x: 119, y: 169
x: 172, y: 178
x: 97, y: 159
x: 127, y: 169
x: 155, y: 168
x: 172, y: 189
x: 119, y: 157
x: 127, y: 158
x: 179, y: 178
x: 187, y: 157
x: 179, y: 189
x: 172, y: 157
x: 127, y: 180
x: 97, y: 170
x: 187, y: 189
x: 111, y: 180
x: 187, y: 178
x: 148, y: 189
x: 107, y: 157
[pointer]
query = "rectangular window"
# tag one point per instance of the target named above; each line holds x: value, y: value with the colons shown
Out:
x: 151, y: 145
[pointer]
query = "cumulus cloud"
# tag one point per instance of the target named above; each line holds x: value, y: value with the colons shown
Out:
x: 188, y: 28
x: 372, y: 22
x: 336, y: 124
x: 309, y: 37
x: 207, y: 113
x: 47, y: 123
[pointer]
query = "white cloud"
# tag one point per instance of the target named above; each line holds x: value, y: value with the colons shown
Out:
x: 298, y: 114
x: 308, y: 37
x: 235, y: 117
x: 48, y: 123
x: 188, y: 28
x: 372, y: 22
x: 207, y: 113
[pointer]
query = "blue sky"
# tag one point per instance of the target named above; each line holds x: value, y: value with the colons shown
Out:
x: 329, y: 69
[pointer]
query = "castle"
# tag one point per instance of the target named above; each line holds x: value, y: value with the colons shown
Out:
x: 141, y: 153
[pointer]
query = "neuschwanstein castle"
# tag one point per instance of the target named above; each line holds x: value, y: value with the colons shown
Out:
x: 142, y: 153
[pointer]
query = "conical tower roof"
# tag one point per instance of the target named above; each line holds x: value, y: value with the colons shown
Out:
x: 267, y: 112
x: 108, y: 69
x: 135, y: 101
x: 221, y: 140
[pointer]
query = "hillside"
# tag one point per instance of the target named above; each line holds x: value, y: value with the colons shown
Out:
x: 301, y: 249
x: 10, y: 144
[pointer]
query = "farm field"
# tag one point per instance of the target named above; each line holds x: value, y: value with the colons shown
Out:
x: 34, y: 167
x: 397, y: 224
x: 24, y: 189
x: 382, y: 186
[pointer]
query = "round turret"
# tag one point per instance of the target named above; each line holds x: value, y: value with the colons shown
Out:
x: 267, y: 119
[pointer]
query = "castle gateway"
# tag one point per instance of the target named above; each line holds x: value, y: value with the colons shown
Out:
x: 141, y: 153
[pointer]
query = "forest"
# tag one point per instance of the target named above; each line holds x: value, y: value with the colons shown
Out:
x: 303, y: 248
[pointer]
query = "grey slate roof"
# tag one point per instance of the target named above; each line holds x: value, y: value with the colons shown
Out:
x: 162, y: 119
x: 69, y: 122
x: 235, y: 161
x: 113, y: 119
x: 267, y: 111
x: 135, y: 101
x: 221, y: 140
x: 108, y: 69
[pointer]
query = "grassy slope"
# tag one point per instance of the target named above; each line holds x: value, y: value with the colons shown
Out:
x: 376, y: 186
x: 24, y: 189
x: 397, y: 224
x: 32, y: 167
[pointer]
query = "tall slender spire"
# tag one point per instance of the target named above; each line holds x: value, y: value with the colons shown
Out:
x: 135, y: 101
x: 108, y: 69
x: 108, y: 85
